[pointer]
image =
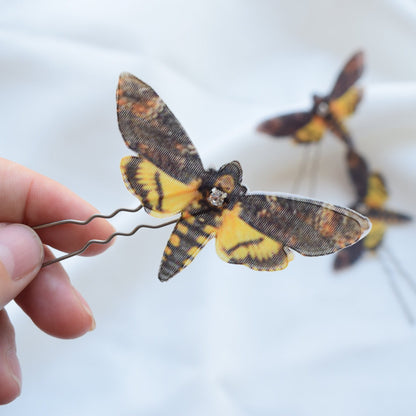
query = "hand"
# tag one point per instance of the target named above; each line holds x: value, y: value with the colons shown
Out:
x: 45, y: 294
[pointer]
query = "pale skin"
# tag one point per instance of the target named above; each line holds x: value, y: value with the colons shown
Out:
x: 45, y: 294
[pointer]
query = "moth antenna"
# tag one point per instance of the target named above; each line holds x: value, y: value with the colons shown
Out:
x: 406, y: 276
x: 87, y: 221
x: 397, y: 293
x: 107, y: 240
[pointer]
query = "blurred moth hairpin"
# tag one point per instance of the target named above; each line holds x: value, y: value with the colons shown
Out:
x: 371, y: 195
x: 328, y: 111
x: 257, y: 230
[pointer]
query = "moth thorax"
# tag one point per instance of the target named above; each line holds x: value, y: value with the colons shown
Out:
x: 322, y: 109
x: 216, y: 197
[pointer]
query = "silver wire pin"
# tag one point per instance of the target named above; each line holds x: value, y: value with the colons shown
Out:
x: 107, y: 240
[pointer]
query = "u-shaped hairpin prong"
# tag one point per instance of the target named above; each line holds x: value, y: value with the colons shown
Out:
x: 93, y: 217
x: 107, y: 240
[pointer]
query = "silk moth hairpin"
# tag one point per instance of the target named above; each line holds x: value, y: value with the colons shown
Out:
x: 371, y: 194
x: 256, y: 230
x: 328, y: 112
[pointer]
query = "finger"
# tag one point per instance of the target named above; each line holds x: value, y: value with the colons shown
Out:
x: 21, y: 256
x: 54, y: 305
x: 10, y: 374
x: 33, y: 199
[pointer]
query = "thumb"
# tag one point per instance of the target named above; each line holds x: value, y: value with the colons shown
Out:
x: 21, y: 256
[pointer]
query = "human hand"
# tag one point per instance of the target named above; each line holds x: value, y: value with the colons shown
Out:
x: 45, y: 294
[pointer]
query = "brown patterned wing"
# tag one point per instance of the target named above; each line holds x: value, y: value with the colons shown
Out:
x: 351, y: 72
x: 285, y: 125
x: 310, y: 227
x: 149, y: 128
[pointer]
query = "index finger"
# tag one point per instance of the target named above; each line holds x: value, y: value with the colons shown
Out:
x: 33, y: 199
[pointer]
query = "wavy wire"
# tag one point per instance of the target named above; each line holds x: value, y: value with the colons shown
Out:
x: 80, y: 222
x: 90, y: 242
x: 81, y: 250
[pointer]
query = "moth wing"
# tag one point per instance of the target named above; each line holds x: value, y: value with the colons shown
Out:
x: 358, y: 170
x: 149, y: 128
x: 237, y: 242
x: 348, y: 256
x: 376, y: 191
x: 348, y: 76
x: 190, y: 235
x: 285, y: 125
x: 345, y: 105
x: 388, y: 216
x: 160, y: 193
x: 310, y: 227
x: 312, y: 131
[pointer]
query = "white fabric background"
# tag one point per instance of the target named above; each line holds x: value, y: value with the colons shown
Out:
x: 217, y: 339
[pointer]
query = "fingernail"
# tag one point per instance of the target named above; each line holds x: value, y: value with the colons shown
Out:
x: 21, y: 251
x: 86, y: 307
x: 14, y: 367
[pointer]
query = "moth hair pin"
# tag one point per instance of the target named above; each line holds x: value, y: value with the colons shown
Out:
x: 371, y: 196
x: 94, y: 241
x: 257, y: 230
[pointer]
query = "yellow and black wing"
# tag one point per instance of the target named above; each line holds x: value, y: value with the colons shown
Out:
x: 160, y: 193
x: 346, y: 105
x: 381, y: 218
x: 260, y: 230
x: 311, y: 132
x: 190, y: 235
x: 238, y: 242
x: 166, y: 173
x: 374, y: 238
x: 304, y: 127
x: 376, y: 191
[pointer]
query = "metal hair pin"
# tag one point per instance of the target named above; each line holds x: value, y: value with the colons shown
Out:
x: 107, y: 240
x: 393, y: 268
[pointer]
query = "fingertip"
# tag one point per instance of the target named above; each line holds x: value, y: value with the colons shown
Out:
x: 21, y: 256
x: 54, y: 305
x: 10, y: 373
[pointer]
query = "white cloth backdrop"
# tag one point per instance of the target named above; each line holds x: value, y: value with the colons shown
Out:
x: 218, y: 339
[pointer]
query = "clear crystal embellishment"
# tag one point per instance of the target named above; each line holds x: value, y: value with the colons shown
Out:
x: 216, y: 197
x: 323, y: 109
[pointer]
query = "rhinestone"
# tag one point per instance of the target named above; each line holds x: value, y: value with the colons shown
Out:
x: 216, y: 197
x: 323, y: 108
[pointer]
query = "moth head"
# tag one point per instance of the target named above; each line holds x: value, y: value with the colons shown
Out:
x: 226, y: 182
x: 234, y: 170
